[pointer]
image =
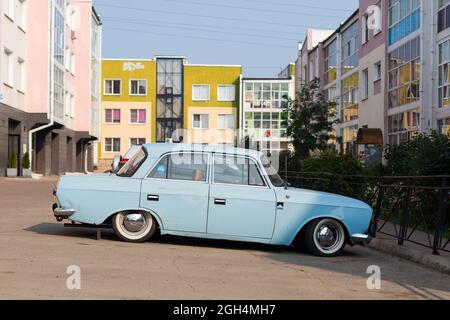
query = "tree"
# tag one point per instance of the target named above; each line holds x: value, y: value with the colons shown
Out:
x: 309, y: 122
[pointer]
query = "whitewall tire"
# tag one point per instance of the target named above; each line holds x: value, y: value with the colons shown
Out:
x: 135, y: 226
x: 325, y: 237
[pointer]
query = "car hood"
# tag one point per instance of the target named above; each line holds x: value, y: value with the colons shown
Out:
x: 304, y: 196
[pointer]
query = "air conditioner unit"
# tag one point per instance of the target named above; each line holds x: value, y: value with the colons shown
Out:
x: 74, y: 35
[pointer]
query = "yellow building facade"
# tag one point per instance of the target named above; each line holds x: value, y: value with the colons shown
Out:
x: 127, y: 108
x: 211, y: 103
x: 166, y: 100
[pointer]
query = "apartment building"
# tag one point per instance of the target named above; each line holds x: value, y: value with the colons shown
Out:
x: 262, y: 120
x: 166, y: 99
x: 46, y: 98
x: 128, y: 105
x: 14, y: 120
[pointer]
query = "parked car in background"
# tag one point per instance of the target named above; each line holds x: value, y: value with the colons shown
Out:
x: 211, y: 192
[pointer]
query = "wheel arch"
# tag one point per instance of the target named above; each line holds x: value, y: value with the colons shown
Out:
x: 152, y: 213
x: 298, y: 236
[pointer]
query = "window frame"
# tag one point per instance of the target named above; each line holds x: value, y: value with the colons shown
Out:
x: 201, y: 85
x: 138, y: 94
x: 112, y: 94
x: 201, y: 127
x: 249, y: 158
x: 112, y: 144
x: 112, y: 116
x: 226, y: 115
x: 226, y: 86
x: 137, y: 123
x: 169, y: 154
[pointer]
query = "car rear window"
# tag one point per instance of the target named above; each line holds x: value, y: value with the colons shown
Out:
x: 130, y: 168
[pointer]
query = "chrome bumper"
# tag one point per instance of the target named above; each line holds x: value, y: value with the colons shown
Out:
x: 359, y: 238
x: 62, y: 213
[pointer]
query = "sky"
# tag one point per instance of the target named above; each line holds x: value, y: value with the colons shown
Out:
x: 260, y: 35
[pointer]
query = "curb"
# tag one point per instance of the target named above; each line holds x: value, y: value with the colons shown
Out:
x: 438, y: 263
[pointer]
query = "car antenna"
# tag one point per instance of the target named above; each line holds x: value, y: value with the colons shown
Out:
x: 285, y: 173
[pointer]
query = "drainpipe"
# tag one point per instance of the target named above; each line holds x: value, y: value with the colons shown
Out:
x: 85, y: 169
x: 50, y: 100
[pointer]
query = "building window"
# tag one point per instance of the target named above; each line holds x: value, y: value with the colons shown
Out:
x: 113, y: 87
x: 444, y: 15
x: 331, y: 62
x: 377, y: 71
x: 350, y: 48
x: 112, y: 116
x: 404, y: 74
x: 22, y: 15
x: 137, y: 141
x: 200, y: 121
x: 138, y: 87
x: 365, y: 29
x: 225, y: 121
x: 377, y: 31
x: 265, y: 95
x: 365, y: 84
x: 9, y: 68
x: 404, y: 18
x: 403, y: 126
x: 200, y: 92
x: 72, y: 106
x: 112, y: 144
x: 350, y: 93
x: 138, y: 116
x: 21, y: 75
x: 226, y: 93
x: 444, y: 74
x: 9, y: 10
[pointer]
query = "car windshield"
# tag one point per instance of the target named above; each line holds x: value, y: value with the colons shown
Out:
x: 132, y: 165
x: 272, y: 173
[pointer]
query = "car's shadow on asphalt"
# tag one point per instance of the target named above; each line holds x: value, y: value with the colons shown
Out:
x: 352, y: 261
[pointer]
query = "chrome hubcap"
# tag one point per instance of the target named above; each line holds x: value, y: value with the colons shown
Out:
x: 134, y: 222
x: 328, y: 236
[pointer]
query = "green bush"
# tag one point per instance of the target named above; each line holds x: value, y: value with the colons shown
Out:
x: 26, y: 161
x: 12, y: 161
x: 330, y: 161
x: 425, y: 154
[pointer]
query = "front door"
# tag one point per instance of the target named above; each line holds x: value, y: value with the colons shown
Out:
x: 241, y: 204
x: 177, y: 191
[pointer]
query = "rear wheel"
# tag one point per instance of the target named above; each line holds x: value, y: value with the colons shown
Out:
x: 134, y: 226
x: 325, y: 237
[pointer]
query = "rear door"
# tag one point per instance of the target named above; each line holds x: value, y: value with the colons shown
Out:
x: 177, y: 190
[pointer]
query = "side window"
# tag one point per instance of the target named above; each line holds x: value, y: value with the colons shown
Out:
x: 182, y: 166
x: 188, y: 166
x: 236, y: 170
x: 160, y: 170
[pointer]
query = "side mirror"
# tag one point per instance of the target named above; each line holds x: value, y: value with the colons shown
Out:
x: 115, y: 166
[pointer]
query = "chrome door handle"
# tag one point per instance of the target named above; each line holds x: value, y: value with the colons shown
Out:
x: 221, y: 202
x: 152, y: 197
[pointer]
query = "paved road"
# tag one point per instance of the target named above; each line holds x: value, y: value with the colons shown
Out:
x: 35, y: 252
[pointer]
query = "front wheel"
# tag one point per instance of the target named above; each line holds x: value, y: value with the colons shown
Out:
x: 134, y: 226
x: 325, y: 237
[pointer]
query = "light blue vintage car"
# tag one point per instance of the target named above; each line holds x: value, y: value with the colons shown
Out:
x: 211, y: 192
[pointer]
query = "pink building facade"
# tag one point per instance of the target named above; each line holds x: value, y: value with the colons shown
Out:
x: 61, y: 36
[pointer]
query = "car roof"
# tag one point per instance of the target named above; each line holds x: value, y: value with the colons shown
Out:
x: 158, y: 149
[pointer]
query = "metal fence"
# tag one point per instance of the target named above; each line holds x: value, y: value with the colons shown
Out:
x: 411, y: 208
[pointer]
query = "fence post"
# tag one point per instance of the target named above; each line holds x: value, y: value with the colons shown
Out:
x: 405, y: 215
x: 440, y: 219
x: 377, y: 213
